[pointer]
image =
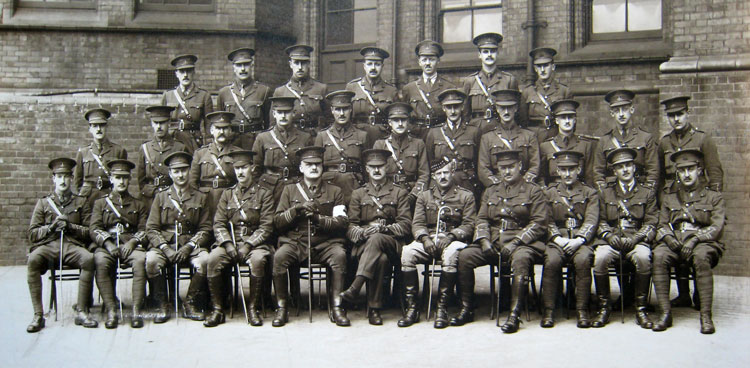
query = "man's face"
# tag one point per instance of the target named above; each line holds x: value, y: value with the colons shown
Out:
x: 568, y: 174
x: 300, y: 68
x: 282, y: 117
x: 507, y: 113
x: 679, y: 120
x: 398, y: 125
x: 161, y: 128
x: 688, y: 175
x: 341, y: 114
x: 510, y: 173
x: 98, y: 131
x: 444, y: 176
x: 185, y: 76
x: 453, y: 111
x: 488, y: 56
x: 179, y: 176
x: 373, y: 68
x: 624, y: 171
x: 62, y: 182
x: 428, y: 63
x: 544, y: 71
x: 566, y: 123
x: 622, y: 114
x: 242, y: 70
x: 244, y: 174
x: 221, y: 134
x: 120, y: 182
x: 311, y: 170
x: 376, y: 173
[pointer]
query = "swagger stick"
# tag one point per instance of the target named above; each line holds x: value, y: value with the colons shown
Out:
x: 309, y: 268
x: 239, y: 276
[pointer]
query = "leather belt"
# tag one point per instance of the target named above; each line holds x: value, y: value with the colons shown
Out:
x: 465, y: 165
x: 254, y: 126
x: 626, y: 223
x: 480, y: 114
x: 170, y: 229
x: 401, y: 178
x: 344, y: 168
x: 162, y: 181
x: 426, y: 123
x: 215, y: 184
x: 505, y: 224
x: 687, y: 226
x: 99, y: 183
x: 535, y: 122
x: 370, y: 119
x: 285, y: 172
x: 188, y: 126
x: 244, y: 230
x: 569, y: 223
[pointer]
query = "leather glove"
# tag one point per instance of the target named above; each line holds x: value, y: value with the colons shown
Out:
x: 60, y: 223
x: 687, y: 248
x: 110, y: 246
x: 627, y: 244
x: 127, y: 248
x: 169, y: 253
x: 572, y: 246
x: 243, y: 253
x: 299, y: 210
x: 231, y: 250
x: 311, y: 208
x: 429, y: 245
x: 510, y: 247
x: 370, y: 230
x: 445, y: 241
x: 183, y: 253
x: 487, y: 249
x: 613, y: 241
x: 672, y: 243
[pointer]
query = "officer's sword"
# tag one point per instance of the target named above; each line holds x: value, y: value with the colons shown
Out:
x: 309, y: 268
x: 239, y: 275
x: 622, y: 282
x: 117, y: 280
x: 499, y: 285
x: 176, y: 275
x: 60, y: 278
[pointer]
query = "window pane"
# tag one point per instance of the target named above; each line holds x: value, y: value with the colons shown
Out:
x: 450, y: 4
x: 365, y: 27
x: 608, y: 15
x: 339, y: 4
x: 488, y: 20
x: 362, y: 4
x: 457, y: 26
x: 644, y: 15
x: 339, y: 28
x: 487, y: 2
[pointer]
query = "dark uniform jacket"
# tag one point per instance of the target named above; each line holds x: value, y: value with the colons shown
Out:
x: 465, y: 140
x: 292, y: 224
x: 692, y: 139
x: 579, y: 143
x: 278, y: 161
x: 536, y: 99
x: 342, y: 168
x: 44, y: 215
x: 88, y: 172
x: 633, y: 214
x: 428, y: 112
x: 254, y: 101
x: 699, y: 213
x: 250, y: 210
x: 389, y: 207
x: 311, y: 107
x: 131, y: 220
x: 204, y: 173
x: 575, y: 211
x: 477, y: 102
x: 381, y: 92
x: 458, y: 219
x: 647, y: 161
x: 190, y: 213
x: 517, y: 138
x: 192, y: 128
x: 150, y: 170
x: 408, y: 165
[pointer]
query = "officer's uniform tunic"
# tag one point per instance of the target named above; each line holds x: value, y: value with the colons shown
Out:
x: 694, y: 138
x: 151, y: 173
x: 277, y: 161
x: 90, y: 177
x: 517, y: 138
x: 254, y: 101
x: 208, y: 177
x: 465, y: 140
x: 412, y: 172
x: 481, y: 112
x: 192, y: 130
x: 646, y: 162
x: 343, y: 169
x: 536, y: 100
x: 367, y: 117
x: 427, y: 114
x: 311, y: 113
x: 576, y: 142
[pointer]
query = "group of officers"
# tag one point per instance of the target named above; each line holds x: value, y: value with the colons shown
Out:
x: 372, y: 178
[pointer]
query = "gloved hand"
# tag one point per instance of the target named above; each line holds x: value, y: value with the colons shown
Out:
x: 370, y: 230
x: 572, y: 246
x: 429, y: 245
x: 487, y: 248
x: 230, y: 249
x: 60, y: 223
x: 627, y: 244
x: 613, y: 241
x: 243, y: 253
x: 110, y: 246
x: 311, y: 208
x: 183, y: 253
x: 127, y: 248
x: 672, y: 243
x: 687, y: 248
x: 510, y: 247
x: 445, y: 241
x: 169, y: 253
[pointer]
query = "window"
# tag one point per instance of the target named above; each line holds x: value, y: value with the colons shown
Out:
x: 350, y: 22
x: 177, y: 5
x: 60, y: 4
x: 625, y: 18
x: 462, y: 20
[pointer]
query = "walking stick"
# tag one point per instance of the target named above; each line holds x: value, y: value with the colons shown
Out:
x: 499, y: 286
x: 432, y: 271
x: 309, y: 268
x: 117, y: 280
x: 239, y: 275
x: 60, y: 278
x: 622, y: 292
x: 176, y: 275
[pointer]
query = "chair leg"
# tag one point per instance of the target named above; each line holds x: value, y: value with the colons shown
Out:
x: 494, y: 307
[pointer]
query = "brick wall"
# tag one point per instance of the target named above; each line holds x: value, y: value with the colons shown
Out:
x: 708, y: 27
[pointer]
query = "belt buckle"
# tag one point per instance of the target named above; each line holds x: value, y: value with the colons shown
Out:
x: 242, y: 126
x: 215, y: 183
x: 427, y: 120
x: 157, y: 181
x: 179, y: 228
x: 181, y: 125
x: 503, y: 224
x: 547, y: 122
x: 285, y: 172
x: 342, y: 168
x: 243, y: 231
x: 396, y: 178
x: 303, y: 123
x: 488, y: 113
x: 371, y: 118
x: 99, y: 183
x: 571, y: 223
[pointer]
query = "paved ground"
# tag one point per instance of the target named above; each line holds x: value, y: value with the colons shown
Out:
x: 479, y: 344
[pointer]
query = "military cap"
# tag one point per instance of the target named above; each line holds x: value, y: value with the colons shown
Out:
x: 562, y: 107
x: 241, y: 55
x: 178, y: 159
x: 120, y: 167
x: 220, y: 118
x: 374, y: 53
x: 687, y: 157
x: 429, y: 48
x: 507, y: 157
x: 282, y: 103
x: 567, y: 158
x: 506, y: 97
x: 375, y: 157
x: 675, y: 104
x: 542, y: 55
x: 241, y: 157
x: 97, y: 116
x: 398, y: 110
x: 159, y: 113
x: 488, y: 40
x: 440, y: 163
x: 619, y: 97
x: 310, y: 154
x: 299, y: 52
x: 340, y: 98
x: 184, y: 61
x: 452, y: 96
x: 62, y: 165
x: 620, y: 155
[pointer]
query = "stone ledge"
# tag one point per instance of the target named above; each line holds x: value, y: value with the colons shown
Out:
x: 692, y: 64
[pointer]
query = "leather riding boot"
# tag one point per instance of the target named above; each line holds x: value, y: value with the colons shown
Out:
x: 466, y: 314
x: 641, y: 284
x: 256, y: 290
x: 190, y: 307
x: 112, y: 319
x: 519, y: 289
x: 446, y: 284
x: 338, y: 313
x: 551, y: 281
x: 704, y: 286
x: 216, y: 287
x: 374, y: 318
x: 106, y: 290
x: 37, y: 323
x: 158, y: 286
x: 683, y: 288
x: 584, y: 320
x: 707, y: 324
x: 663, y: 322
x: 136, y: 321
x: 548, y: 318
x: 602, y: 291
x: 83, y: 318
x: 281, y: 285
x: 411, y: 292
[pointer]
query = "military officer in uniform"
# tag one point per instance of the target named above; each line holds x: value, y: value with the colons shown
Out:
x: 480, y: 85
x: 310, y: 112
x: 564, y: 112
x: 120, y: 217
x: 246, y: 98
x: 443, y: 224
x: 537, y: 98
x: 59, y: 223
x: 178, y: 230
x: 371, y: 95
x: 625, y: 134
x: 91, y: 175
x: 507, y: 135
x: 422, y: 94
x: 343, y: 144
x: 247, y: 209
x: 379, y: 223
x: 313, y: 210
x: 150, y: 171
x: 572, y: 229
x: 191, y: 104
x: 511, y: 226
x: 407, y: 165
x: 627, y: 225
x: 691, y: 222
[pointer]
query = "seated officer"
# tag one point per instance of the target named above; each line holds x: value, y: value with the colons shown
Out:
x: 572, y: 228
x: 691, y: 222
x: 247, y: 208
x: 178, y: 230
x: 512, y: 222
x: 627, y: 225
x: 120, y: 217
x: 379, y: 223
x: 57, y: 224
x: 310, y: 210
x: 453, y: 208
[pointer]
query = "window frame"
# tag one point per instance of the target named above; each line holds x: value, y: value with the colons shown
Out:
x: 472, y: 8
x: 345, y: 46
x: 197, y: 8
x: 624, y: 35
x: 44, y: 4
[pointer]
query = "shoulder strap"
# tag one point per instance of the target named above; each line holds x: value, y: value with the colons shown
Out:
x: 447, y: 140
x: 181, y: 102
x: 218, y: 165
x: 54, y: 206
x: 424, y: 98
x: 239, y: 105
x: 278, y: 142
x: 368, y: 95
x: 99, y: 161
x: 295, y: 93
x: 335, y: 144
x: 176, y: 205
x: 239, y: 205
x: 393, y: 152
x: 112, y: 206
x: 302, y: 192
x: 505, y: 141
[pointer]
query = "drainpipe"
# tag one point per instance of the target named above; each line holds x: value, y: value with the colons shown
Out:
x: 530, y: 26
x: 394, y: 44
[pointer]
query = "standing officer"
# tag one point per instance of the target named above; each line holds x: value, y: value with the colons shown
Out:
x: 422, y: 94
x: 512, y: 222
x: 249, y: 208
x: 91, y: 175
x: 309, y: 110
x: 407, y: 164
x: 625, y: 134
x: 371, y: 95
x: 379, y: 223
x: 507, y: 135
x: 191, y: 104
x: 313, y: 210
x: 119, y: 216
x: 443, y: 224
x: 538, y: 97
x: 246, y: 98
x: 480, y: 85
x: 691, y: 222
x: 343, y: 145
x: 58, y: 223
x: 179, y: 218
x: 572, y: 228
x: 150, y: 171
x: 456, y: 140
x: 627, y: 225
x: 566, y: 139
